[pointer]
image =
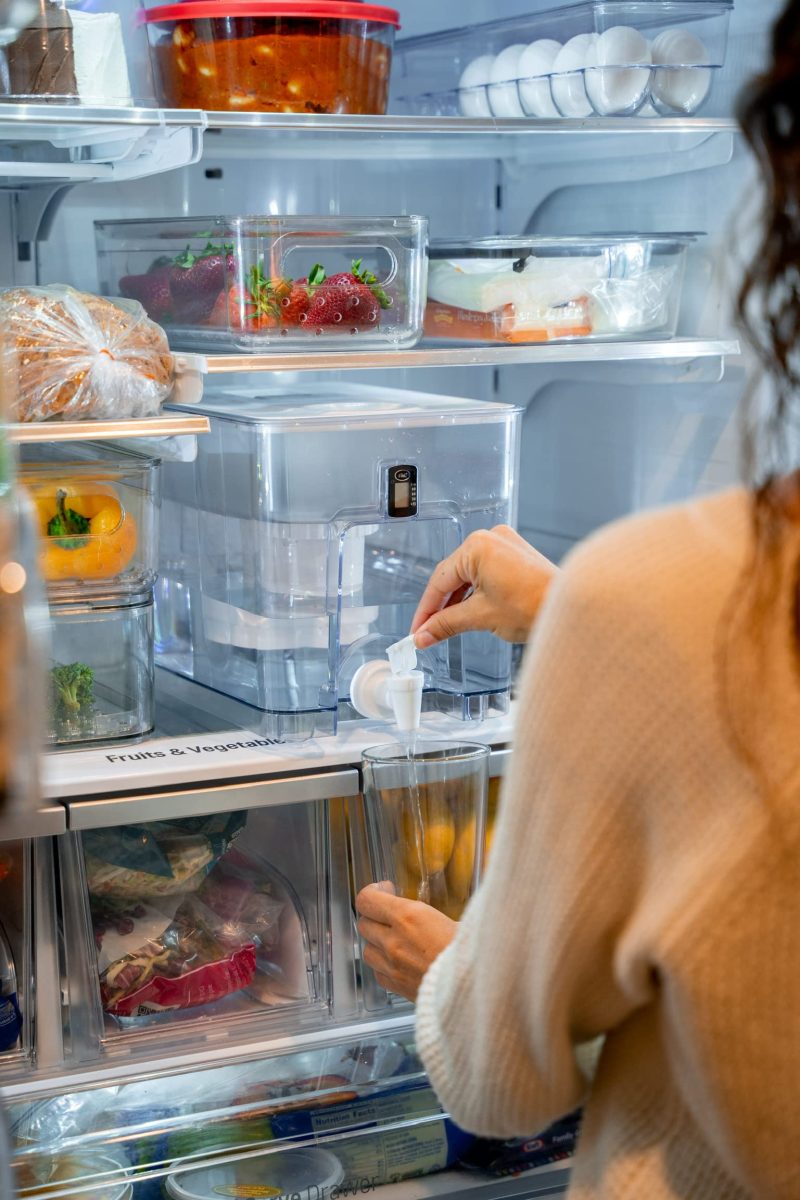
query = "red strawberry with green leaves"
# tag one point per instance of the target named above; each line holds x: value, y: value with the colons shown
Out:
x: 350, y: 300
x: 295, y: 305
x: 151, y: 290
x: 256, y: 304
x: 197, y: 279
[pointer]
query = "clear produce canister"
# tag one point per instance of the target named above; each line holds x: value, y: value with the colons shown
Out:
x: 289, y: 57
x: 426, y: 812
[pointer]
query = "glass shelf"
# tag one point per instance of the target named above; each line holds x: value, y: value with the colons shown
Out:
x: 169, y: 425
x: 63, y: 144
x: 676, y: 350
x: 300, y: 135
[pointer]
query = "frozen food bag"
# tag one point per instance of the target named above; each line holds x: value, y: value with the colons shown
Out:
x: 78, y: 356
x: 194, y: 962
x: 136, y: 862
x: 552, y: 1145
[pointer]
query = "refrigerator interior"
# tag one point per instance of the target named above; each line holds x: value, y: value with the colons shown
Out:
x: 120, y: 1099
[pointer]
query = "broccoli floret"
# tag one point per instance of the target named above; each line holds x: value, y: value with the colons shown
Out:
x: 67, y: 524
x: 73, y: 693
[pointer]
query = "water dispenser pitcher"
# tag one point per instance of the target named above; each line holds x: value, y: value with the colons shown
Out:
x: 297, y: 544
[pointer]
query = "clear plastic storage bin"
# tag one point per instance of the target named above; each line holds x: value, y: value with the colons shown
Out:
x: 298, y: 543
x: 97, y: 513
x: 599, y: 58
x: 196, y: 927
x: 70, y: 55
x: 260, y: 56
x: 536, y: 289
x: 101, y: 674
x: 258, y: 282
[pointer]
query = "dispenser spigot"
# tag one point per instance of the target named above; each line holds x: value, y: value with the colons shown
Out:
x: 390, y: 691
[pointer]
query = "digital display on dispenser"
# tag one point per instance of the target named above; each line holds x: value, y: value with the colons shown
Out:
x: 402, y: 491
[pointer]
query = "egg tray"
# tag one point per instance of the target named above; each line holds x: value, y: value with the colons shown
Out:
x: 605, y: 58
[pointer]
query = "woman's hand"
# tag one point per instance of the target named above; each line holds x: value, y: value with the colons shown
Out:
x: 402, y: 937
x: 495, y: 581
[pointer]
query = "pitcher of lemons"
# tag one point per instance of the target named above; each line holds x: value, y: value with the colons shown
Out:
x: 425, y: 807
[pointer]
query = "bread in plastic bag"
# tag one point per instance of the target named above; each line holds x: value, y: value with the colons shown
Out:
x: 79, y: 356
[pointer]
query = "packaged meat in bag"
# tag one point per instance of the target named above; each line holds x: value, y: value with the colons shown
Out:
x: 194, y: 962
x: 78, y: 356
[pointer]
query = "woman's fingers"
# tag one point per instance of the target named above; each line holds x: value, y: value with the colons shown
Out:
x: 449, y: 577
x: 471, y: 614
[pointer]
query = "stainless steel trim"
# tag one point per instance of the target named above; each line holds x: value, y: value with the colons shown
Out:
x: 45, y: 822
x: 167, y: 805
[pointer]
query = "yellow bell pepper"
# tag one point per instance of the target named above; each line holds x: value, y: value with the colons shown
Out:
x: 87, y: 534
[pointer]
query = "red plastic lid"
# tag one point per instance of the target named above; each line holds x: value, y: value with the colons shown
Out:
x: 337, y: 10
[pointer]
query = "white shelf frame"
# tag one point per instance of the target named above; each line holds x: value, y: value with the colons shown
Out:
x: 170, y: 425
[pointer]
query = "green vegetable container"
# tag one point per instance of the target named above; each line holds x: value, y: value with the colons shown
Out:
x: 101, y: 680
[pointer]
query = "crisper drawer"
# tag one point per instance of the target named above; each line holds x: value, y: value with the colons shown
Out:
x: 16, y: 957
x: 184, y: 931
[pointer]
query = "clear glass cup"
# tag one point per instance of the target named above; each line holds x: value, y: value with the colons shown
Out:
x: 425, y: 805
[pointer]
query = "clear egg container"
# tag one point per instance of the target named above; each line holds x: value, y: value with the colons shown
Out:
x: 606, y: 58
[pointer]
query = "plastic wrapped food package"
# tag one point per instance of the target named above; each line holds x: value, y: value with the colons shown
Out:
x: 195, y: 961
x: 182, y: 918
x: 537, y: 290
x: 134, y: 862
x: 79, y: 356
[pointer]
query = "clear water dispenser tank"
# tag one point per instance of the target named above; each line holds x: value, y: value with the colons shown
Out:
x: 297, y: 544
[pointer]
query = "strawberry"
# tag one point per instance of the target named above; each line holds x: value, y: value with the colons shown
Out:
x: 256, y: 305
x: 295, y: 303
x: 196, y: 280
x: 151, y: 290
x: 219, y: 313
x: 362, y: 275
x: 346, y: 304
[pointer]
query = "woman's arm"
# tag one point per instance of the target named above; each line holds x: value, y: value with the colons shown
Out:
x: 534, y: 970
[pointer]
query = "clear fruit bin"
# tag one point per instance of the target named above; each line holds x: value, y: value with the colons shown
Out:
x: 599, y: 58
x: 535, y: 289
x: 251, y: 283
x: 97, y: 514
x: 186, y: 927
x: 101, y: 670
x: 73, y: 54
x: 289, y: 57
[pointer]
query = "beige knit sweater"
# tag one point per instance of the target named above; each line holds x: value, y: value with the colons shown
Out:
x: 645, y: 879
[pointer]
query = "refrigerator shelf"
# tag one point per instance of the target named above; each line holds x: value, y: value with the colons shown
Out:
x: 191, y: 367
x: 166, y: 426
x: 66, y: 144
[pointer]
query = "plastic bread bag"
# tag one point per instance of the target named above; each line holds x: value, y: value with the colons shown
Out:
x: 137, y: 862
x: 78, y: 356
x: 193, y: 963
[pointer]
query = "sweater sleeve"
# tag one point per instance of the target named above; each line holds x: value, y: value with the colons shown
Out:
x: 534, y: 971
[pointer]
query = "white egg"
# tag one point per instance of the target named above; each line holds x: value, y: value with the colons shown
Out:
x: 503, y: 93
x: 535, y: 66
x: 472, y: 98
x: 616, y: 86
x: 684, y: 80
x: 568, y: 87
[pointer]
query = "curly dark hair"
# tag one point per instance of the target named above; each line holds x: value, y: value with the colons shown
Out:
x: 769, y: 301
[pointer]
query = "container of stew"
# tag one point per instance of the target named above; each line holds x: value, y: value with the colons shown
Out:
x: 257, y: 56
